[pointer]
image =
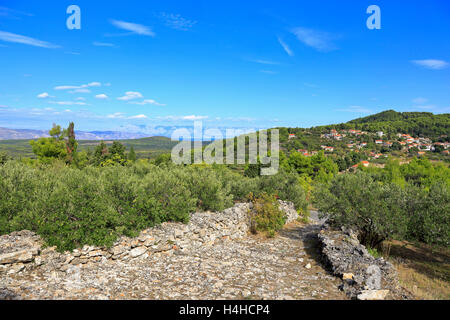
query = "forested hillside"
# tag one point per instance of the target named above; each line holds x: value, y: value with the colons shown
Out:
x: 390, y: 121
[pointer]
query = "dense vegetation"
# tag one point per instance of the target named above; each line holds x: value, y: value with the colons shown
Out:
x: 73, y: 197
x: 71, y: 207
x: 410, y: 201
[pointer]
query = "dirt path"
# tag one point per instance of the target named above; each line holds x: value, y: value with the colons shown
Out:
x: 252, y: 268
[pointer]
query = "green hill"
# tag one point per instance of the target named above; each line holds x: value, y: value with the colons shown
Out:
x: 415, y: 123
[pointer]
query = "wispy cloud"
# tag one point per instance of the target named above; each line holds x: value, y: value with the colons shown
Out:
x: 68, y: 103
x: 139, y: 116
x: 147, y: 101
x: 131, y: 95
x: 117, y: 115
x: 319, y: 40
x: 17, y: 38
x: 431, y: 64
x: 121, y: 115
x: 286, y: 47
x: 11, y: 13
x: 176, y: 21
x: 260, y: 61
x: 77, y: 88
x: 103, y: 44
x: 189, y: 118
x: 133, y: 28
x: 355, y: 109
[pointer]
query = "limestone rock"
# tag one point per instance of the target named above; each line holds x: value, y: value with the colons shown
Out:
x: 139, y: 251
x: 373, y: 295
x: 18, y: 256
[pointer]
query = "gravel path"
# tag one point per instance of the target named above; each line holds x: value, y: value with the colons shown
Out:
x: 284, y: 267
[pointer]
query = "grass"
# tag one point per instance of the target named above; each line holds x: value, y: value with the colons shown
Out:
x: 423, y: 270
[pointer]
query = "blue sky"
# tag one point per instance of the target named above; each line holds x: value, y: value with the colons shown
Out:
x: 135, y: 64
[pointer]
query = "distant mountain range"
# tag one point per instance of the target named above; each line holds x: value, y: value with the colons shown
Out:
x: 125, y: 134
x: 19, y: 134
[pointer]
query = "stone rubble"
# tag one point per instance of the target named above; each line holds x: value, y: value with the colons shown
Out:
x: 363, y: 276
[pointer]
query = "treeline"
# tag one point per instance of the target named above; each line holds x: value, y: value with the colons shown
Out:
x: 63, y: 146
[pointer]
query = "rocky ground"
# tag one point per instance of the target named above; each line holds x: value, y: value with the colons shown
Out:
x: 284, y: 267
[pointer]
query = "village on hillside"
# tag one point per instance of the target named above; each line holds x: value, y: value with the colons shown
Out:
x: 373, y: 146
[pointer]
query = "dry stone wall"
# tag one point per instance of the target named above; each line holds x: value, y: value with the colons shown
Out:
x: 24, y: 249
x: 363, y: 276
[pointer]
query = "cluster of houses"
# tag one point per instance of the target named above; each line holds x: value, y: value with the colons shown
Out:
x: 406, y: 141
x: 334, y: 134
x: 306, y: 153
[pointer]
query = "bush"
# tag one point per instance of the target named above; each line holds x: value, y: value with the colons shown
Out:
x: 373, y: 209
x: 266, y: 215
x: 429, y: 214
x: 286, y: 187
x: 71, y: 207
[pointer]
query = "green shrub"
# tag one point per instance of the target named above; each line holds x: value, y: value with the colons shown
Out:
x: 373, y: 209
x: 211, y: 190
x: 266, y: 215
x: 286, y: 187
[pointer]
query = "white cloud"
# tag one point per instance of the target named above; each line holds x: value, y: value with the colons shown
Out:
x: 103, y: 44
x: 121, y: 115
x: 148, y: 101
x: 65, y: 87
x: 17, y: 38
x: 431, y: 64
x: 79, y: 88
x: 176, y: 21
x: 139, y: 116
x: 15, y: 14
x: 101, y: 96
x: 177, y: 118
x: 134, y: 28
x: 44, y: 95
x: 67, y: 103
x: 265, y: 62
x: 419, y: 100
x: 117, y: 115
x: 319, y: 40
x: 286, y: 47
x: 130, y: 95
x: 80, y: 99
